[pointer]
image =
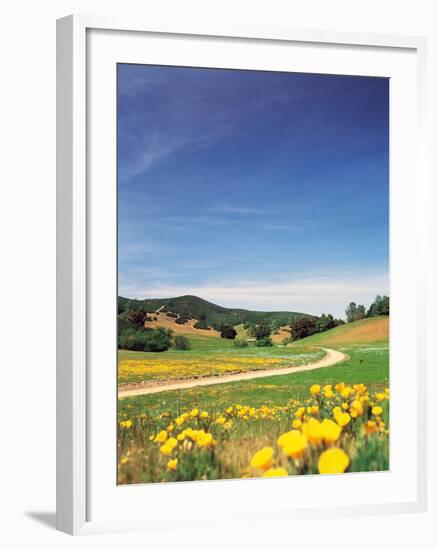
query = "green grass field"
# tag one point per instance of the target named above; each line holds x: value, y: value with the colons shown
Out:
x: 364, y: 365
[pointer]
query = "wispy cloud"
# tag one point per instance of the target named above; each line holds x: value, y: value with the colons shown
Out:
x: 279, y: 227
x: 195, y: 108
x: 150, y: 151
x: 239, y: 210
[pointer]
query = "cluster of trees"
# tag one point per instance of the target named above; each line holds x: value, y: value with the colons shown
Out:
x: 151, y: 339
x: 356, y: 312
x: 306, y: 326
x: 158, y: 339
x: 262, y: 333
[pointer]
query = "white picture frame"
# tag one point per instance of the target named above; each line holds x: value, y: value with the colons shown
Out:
x: 74, y: 218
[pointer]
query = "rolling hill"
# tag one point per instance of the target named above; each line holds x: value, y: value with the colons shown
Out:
x: 366, y: 331
x: 193, y: 307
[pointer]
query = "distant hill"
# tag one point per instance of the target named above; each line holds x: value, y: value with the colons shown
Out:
x: 193, y: 307
x: 372, y: 330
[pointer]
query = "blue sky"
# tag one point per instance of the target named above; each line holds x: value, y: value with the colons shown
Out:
x: 253, y: 189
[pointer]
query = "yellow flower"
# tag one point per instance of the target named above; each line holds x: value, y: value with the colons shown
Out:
x: 315, y: 389
x: 342, y: 418
x: 194, y: 413
x: 312, y: 430
x: 360, y: 388
x: 377, y: 411
x: 172, y: 464
x: 296, y: 424
x: 204, y: 414
x: 220, y: 420
x: 333, y: 461
x: 166, y: 449
x: 370, y: 427
x: 299, y: 412
x: 124, y: 460
x: 126, y: 423
x: 262, y: 459
x: 204, y: 439
x: 345, y: 405
x: 161, y: 437
x: 356, y: 408
x: 346, y: 392
x: 330, y: 430
x: 276, y: 472
x: 293, y: 443
x: 229, y: 410
x: 172, y: 442
x: 340, y: 387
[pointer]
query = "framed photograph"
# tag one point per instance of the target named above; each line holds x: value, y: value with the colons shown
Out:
x: 241, y: 221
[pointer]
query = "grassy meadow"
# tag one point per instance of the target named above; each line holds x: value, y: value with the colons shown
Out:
x: 328, y: 420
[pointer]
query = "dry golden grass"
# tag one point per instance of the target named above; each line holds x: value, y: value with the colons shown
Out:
x: 169, y: 322
x: 375, y: 329
x: 372, y: 331
x: 283, y: 333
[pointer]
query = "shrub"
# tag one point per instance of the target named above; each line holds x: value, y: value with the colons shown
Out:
x: 227, y: 331
x: 171, y: 314
x: 181, y: 342
x: 132, y: 339
x: 201, y: 325
x: 159, y: 339
x: 241, y: 342
x: 180, y: 321
x: 264, y: 342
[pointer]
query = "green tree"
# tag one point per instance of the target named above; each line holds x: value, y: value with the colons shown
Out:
x: 303, y: 327
x: 262, y: 331
x: 181, y: 342
x: 380, y: 306
x: 136, y: 317
x: 355, y: 312
x: 227, y: 331
x: 159, y: 339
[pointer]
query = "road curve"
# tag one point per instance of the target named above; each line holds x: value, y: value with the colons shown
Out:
x: 331, y: 358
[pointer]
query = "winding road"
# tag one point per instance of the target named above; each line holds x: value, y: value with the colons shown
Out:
x: 331, y: 358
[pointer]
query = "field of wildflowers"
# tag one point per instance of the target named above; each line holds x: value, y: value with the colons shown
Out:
x: 332, y: 428
x: 178, y: 365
